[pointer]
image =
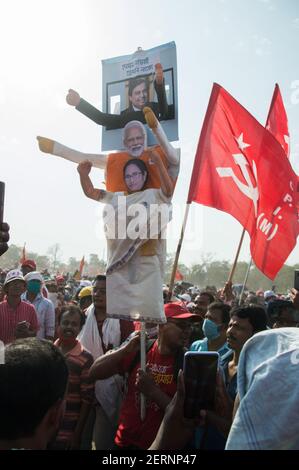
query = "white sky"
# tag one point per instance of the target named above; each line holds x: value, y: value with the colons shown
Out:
x: 48, y: 47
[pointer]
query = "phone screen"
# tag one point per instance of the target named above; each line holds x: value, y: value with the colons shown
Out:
x: 296, y: 279
x: 200, y: 370
x: 2, y: 190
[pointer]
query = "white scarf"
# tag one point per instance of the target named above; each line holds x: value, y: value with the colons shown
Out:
x: 107, y: 391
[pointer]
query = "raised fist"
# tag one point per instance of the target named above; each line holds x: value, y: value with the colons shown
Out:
x: 150, y: 117
x: 84, y: 168
x: 73, y: 98
x: 159, y: 74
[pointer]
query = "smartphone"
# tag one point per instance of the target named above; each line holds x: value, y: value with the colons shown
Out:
x: 200, y: 371
x: 2, y: 192
x: 296, y: 279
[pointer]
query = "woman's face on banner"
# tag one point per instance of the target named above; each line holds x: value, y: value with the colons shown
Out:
x: 134, y: 178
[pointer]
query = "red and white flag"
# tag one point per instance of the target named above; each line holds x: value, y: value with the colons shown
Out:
x: 240, y: 168
x: 277, y: 121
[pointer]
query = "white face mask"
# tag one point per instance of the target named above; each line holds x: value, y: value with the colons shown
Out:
x: 53, y: 297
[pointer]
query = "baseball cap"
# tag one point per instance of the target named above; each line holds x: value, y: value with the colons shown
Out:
x: 268, y: 294
x: 34, y: 276
x: 14, y: 275
x: 85, y: 292
x: 30, y: 263
x: 177, y: 310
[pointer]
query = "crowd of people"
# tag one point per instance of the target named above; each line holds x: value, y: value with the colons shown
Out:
x: 70, y: 373
x: 92, y: 400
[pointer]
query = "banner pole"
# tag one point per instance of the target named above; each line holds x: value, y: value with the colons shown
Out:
x: 232, y: 272
x: 142, y: 367
x: 245, y: 281
x: 176, y: 259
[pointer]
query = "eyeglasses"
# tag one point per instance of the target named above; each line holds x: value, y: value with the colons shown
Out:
x: 133, y: 175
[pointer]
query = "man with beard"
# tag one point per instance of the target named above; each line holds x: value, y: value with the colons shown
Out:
x: 244, y: 323
x: 33, y: 384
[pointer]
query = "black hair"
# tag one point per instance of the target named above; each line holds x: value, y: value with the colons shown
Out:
x: 208, y: 294
x: 224, y: 308
x: 134, y: 82
x: 140, y: 164
x: 72, y: 309
x: 99, y: 277
x: 276, y: 307
x: 33, y: 378
x: 256, y: 316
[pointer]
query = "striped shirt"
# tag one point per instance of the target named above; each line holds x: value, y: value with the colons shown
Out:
x: 45, y: 315
x: 79, y: 389
x: 10, y: 317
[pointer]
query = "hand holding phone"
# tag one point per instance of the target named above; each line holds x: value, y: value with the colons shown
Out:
x: 200, y: 372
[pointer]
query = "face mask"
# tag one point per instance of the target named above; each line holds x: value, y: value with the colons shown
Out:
x: 33, y: 286
x: 210, y: 329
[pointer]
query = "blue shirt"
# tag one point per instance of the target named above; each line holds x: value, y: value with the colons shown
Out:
x: 202, y: 345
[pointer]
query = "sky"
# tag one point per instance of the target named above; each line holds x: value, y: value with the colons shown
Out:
x: 50, y: 46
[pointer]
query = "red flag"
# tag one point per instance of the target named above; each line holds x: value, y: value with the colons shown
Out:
x: 178, y: 276
x: 81, y: 266
x: 240, y: 168
x: 277, y: 121
x: 23, y: 257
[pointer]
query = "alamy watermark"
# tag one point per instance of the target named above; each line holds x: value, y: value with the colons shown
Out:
x: 152, y: 221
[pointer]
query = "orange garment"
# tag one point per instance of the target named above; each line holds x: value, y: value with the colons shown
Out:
x: 115, y: 165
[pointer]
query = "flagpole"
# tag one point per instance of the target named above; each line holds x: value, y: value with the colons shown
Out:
x: 176, y: 259
x: 236, y: 258
x: 142, y: 367
x: 245, y: 281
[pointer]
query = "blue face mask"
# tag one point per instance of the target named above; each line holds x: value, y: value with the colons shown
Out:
x: 210, y: 329
x: 33, y: 286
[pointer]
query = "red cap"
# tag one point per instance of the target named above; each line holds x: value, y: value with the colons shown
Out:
x: 177, y: 310
x: 59, y: 278
x: 30, y: 263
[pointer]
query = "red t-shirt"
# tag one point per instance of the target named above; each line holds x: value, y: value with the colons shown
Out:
x: 131, y: 430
